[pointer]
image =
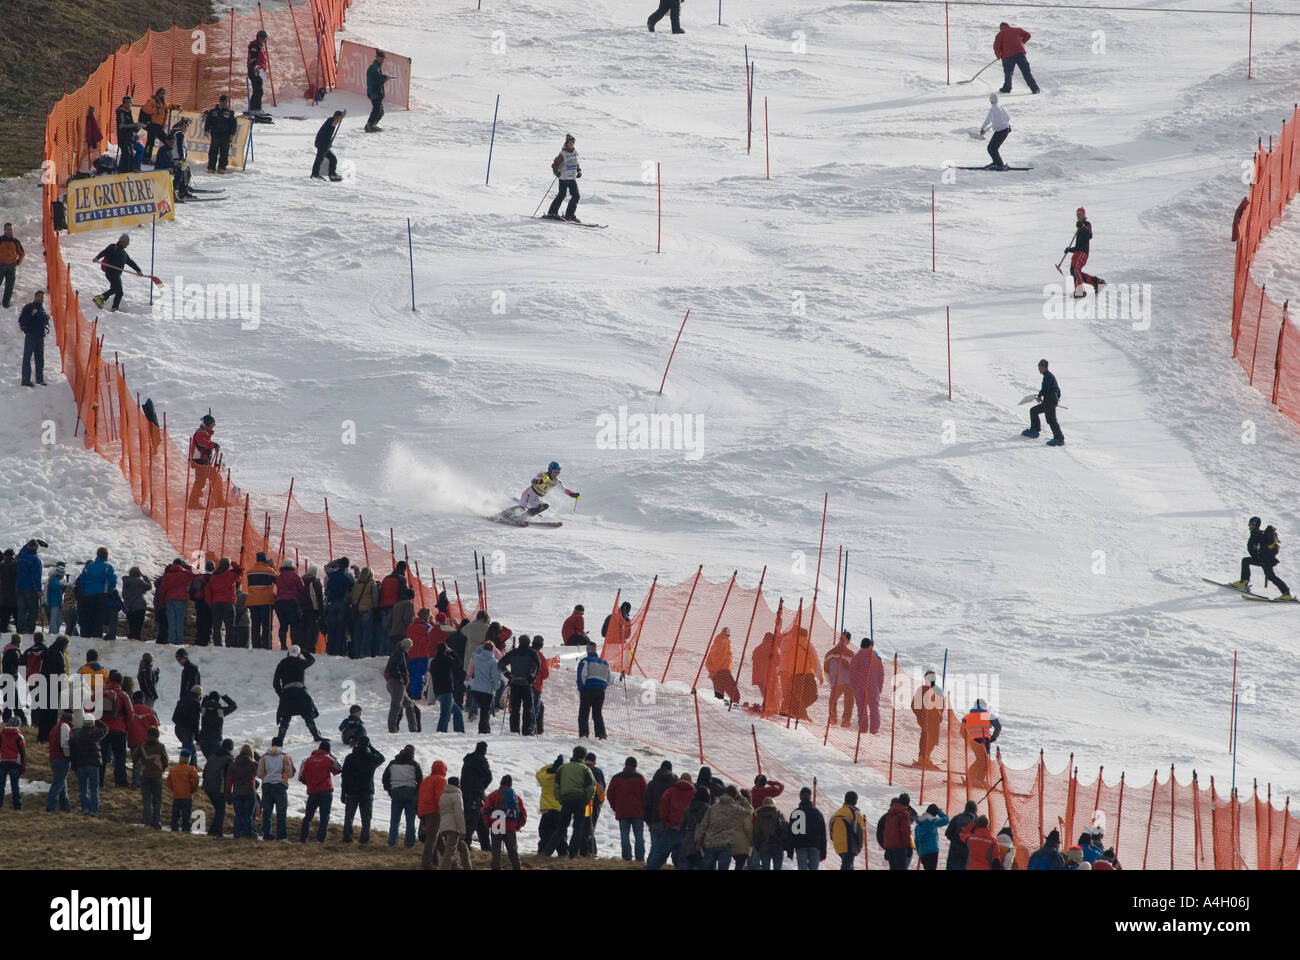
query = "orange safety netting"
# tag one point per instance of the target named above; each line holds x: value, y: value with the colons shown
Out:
x: 1263, y: 339
x: 1158, y: 825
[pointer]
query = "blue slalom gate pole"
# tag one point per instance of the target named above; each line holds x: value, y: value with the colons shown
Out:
x: 153, y: 237
x: 871, y: 622
x: 493, y: 141
x: 478, y: 584
x: 410, y: 250
x: 844, y: 605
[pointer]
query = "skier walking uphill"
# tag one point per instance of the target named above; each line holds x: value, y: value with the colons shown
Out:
x: 290, y: 683
x: 203, y: 451
x: 1000, y: 123
x: 324, y: 141
x: 1009, y: 47
x: 1262, y: 547
x: 531, y: 499
x: 259, y: 65
x: 567, y: 170
x: 1079, y: 247
x: 112, y: 259
x: 1049, y: 395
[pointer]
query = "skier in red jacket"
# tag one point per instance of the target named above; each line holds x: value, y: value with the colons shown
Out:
x: 1009, y: 47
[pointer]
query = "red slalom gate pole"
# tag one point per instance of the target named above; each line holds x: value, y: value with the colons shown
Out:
x: 767, y: 141
x: 947, y: 312
x: 674, y: 351
x: 659, y: 192
x: 932, y: 243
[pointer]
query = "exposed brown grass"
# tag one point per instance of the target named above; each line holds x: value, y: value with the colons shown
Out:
x: 33, y: 839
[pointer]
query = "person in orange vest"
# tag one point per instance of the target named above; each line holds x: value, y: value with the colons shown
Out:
x: 573, y: 632
x: 764, y: 666
x: 260, y: 584
x: 718, y: 663
x: 980, y: 728
x: 153, y: 114
x: 203, y: 454
x: 837, y: 672
x: 801, y: 673
x: 981, y: 843
x: 927, y: 706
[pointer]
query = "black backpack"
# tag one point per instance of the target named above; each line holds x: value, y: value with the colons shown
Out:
x: 59, y: 215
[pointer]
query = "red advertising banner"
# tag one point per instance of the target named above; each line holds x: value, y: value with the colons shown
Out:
x: 354, y: 61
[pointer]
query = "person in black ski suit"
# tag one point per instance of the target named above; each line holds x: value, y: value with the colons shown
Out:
x: 290, y: 683
x: 522, y: 664
x: 127, y: 126
x: 1049, y: 395
x: 114, y: 258
x: 673, y: 8
x: 221, y: 126
x: 1262, y: 547
x: 324, y: 141
x: 475, y: 778
x: 1082, y: 241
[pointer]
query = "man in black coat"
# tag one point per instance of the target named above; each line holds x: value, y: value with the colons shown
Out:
x: 291, y: 684
x: 220, y: 124
x: 475, y: 778
x: 189, y: 672
x: 957, y: 851
x: 114, y: 259
x: 324, y: 141
x: 35, y: 324
x: 522, y: 664
x: 126, y: 130
x: 1049, y: 395
x: 358, y: 785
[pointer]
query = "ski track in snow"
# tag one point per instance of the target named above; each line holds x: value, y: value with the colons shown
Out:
x: 984, y: 546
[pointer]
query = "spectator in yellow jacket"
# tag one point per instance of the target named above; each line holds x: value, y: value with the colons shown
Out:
x: 549, y: 838
x: 848, y: 827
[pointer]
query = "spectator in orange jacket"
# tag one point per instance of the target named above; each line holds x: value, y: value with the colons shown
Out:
x: 764, y: 665
x: 927, y: 707
x: 837, y: 664
x: 1009, y: 47
x: 428, y: 798
x: 718, y: 663
x: 261, y: 595
x: 981, y: 843
x: 182, y: 780
x: 573, y: 633
x: 801, y: 672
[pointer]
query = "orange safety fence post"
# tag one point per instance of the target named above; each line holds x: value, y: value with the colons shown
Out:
x: 185, y: 511
x: 1071, y: 798
x: 947, y: 740
x: 893, y: 713
x: 279, y: 555
x: 294, y: 21
x: 1096, y: 803
x: 266, y: 534
x: 225, y: 514
x: 230, y: 61
x: 758, y: 595
x: 613, y: 620
x: 713, y: 634
x: 1173, y: 792
x: 329, y: 536
x: 392, y: 548
x: 1214, y: 833
x: 1042, y: 775
x: 1286, y: 827
x: 167, y: 491
x: 642, y: 614
x: 695, y: 699
x: 1277, y: 357
x: 1155, y: 782
x: 243, y: 546
x: 269, y: 72
x: 787, y: 700
x: 685, y: 610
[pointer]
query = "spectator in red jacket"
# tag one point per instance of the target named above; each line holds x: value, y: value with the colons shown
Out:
x: 539, y: 711
x: 13, y: 759
x: 318, y: 774
x: 137, y: 729
x: 764, y: 788
x: 116, y: 714
x: 504, y: 815
x: 574, y: 631
x: 898, y: 832
x: 626, y: 797
x: 288, y: 587
x: 390, y: 591
x: 221, y: 593
x: 428, y: 797
x: 60, y: 763
x: 174, y: 594
x: 867, y: 677
x: 672, y: 808
x: 1009, y: 47
x: 981, y: 843
x: 421, y: 634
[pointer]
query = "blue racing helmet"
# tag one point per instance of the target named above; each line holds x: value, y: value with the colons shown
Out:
x: 553, y: 466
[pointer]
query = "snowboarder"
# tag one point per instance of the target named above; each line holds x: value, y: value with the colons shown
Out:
x: 673, y: 8
x: 203, y: 451
x: 1049, y: 395
x: 112, y: 259
x: 1000, y: 123
x: 1009, y: 47
x: 220, y: 125
x: 259, y: 63
x: 375, y: 80
x: 325, y: 140
x: 530, y: 501
x: 1079, y: 247
x: 1262, y: 546
x: 567, y: 170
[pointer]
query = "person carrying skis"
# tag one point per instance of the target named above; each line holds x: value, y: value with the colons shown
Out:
x: 203, y: 452
x: 998, y: 121
x: 1262, y: 546
x: 1079, y: 247
x: 112, y: 259
x: 1009, y: 47
x: 259, y: 63
x: 1049, y: 395
x: 567, y: 170
x: 220, y: 125
x: 531, y: 499
x: 324, y: 141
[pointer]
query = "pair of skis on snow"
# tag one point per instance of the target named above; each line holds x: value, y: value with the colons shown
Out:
x: 514, y: 517
x: 1245, y: 592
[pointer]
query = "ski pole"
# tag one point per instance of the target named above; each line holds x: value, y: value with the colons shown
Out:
x: 981, y: 70
x: 987, y: 792
x: 544, y: 196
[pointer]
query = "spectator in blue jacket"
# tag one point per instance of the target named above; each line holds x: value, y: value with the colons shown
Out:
x: 338, y: 596
x: 54, y: 597
x: 1090, y: 840
x: 593, y: 678
x: 927, y: 835
x: 27, y: 586
x: 1048, y: 856
x: 96, y: 581
x: 483, y: 678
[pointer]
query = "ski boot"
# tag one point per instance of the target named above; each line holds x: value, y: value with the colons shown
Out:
x: 99, y: 302
x: 573, y: 219
x: 1286, y: 596
x: 335, y: 178
x: 1240, y: 584
x: 536, y: 510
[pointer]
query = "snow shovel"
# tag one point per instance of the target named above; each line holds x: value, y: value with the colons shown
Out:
x: 982, y: 69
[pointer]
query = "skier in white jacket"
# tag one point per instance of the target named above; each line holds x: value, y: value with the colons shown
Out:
x: 1000, y: 123
x: 567, y: 170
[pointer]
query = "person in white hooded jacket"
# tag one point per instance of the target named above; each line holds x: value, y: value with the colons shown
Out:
x: 997, y: 121
x: 567, y: 170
